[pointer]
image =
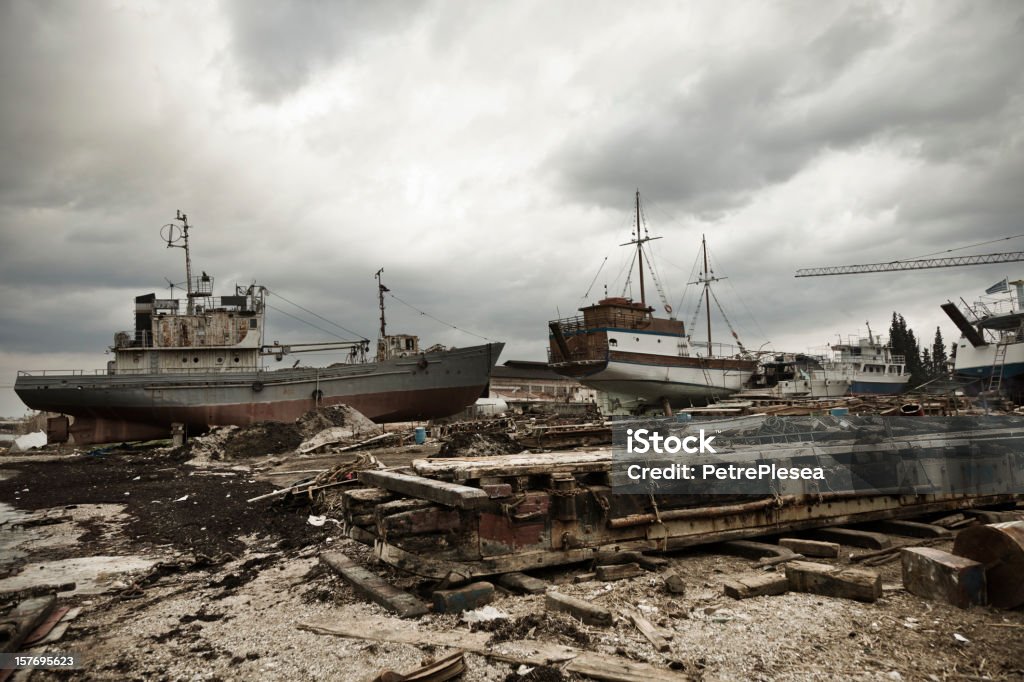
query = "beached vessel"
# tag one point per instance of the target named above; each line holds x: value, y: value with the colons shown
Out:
x: 990, y: 351
x: 858, y: 367
x: 620, y: 347
x: 200, y: 362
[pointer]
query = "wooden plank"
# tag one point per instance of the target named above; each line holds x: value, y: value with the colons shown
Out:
x: 815, y: 548
x: 618, y: 571
x: 615, y: 669
x: 751, y: 549
x: 373, y: 587
x: 834, y: 581
x: 591, y: 614
x: 441, y: 492
x: 466, y: 468
x: 647, y: 629
x: 528, y: 652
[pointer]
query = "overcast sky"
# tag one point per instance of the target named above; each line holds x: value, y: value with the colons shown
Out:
x: 486, y: 156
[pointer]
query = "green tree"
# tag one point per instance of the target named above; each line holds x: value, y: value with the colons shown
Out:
x: 903, y: 342
x: 939, y: 358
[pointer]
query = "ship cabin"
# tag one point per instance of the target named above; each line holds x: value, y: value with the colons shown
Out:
x: 869, y: 357
x: 211, y: 334
x: 397, y: 346
x: 588, y: 338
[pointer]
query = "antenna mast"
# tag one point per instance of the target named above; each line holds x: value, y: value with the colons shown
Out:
x: 172, y: 234
x: 381, y: 289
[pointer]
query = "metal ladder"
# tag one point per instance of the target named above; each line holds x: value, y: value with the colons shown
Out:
x: 995, y: 381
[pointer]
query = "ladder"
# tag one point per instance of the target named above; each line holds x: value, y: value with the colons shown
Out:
x: 995, y: 381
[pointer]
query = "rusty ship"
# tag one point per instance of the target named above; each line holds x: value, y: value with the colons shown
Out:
x: 200, y: 363
x: 620, y: 347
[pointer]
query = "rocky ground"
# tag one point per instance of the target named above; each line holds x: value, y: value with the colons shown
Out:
x: 180, y: 578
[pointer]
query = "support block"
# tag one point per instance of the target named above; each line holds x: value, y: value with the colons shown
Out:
x: 860, y: 584
x: 524, y: 584
x: 618, y: 572
x: 755, y: 585
x: 941, y: 576
x: 465, y: 598
x: 815, y: 548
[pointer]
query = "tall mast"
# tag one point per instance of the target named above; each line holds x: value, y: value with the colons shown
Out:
x: 380, y: 297
x: 707, y: 289
x: 640, y: 251
x: 639, y: 240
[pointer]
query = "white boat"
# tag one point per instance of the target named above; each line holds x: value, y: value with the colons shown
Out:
x: 620, y: 347
x: 859, y: 366
x: 990, y: 350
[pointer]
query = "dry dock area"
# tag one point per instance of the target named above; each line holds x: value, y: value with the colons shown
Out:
x: 176, y: 575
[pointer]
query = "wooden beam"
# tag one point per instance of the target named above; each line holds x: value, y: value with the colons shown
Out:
x: 647, y: 629
x: 442, y: 492
x: 529, y: 652
x: 373, y: 587
x: 466, y: 468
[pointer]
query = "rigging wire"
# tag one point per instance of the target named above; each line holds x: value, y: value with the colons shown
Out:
x: 741, y: 300
x: 440, y: 321
x: 593, y: 281
x: 325, y: 331
x: 960, y: 248
x: 315, y: 315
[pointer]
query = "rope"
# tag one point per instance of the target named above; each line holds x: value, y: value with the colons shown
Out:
x: 439, y: 321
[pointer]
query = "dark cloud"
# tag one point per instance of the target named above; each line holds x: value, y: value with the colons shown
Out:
x: 279, y: 45
x: 742, y: 120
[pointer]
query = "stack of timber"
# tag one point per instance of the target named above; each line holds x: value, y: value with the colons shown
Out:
x: 461, y: 518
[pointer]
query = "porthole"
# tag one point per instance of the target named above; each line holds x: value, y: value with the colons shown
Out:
x: 220, y: 360
x: 195, y: 359
x: 236, y: 359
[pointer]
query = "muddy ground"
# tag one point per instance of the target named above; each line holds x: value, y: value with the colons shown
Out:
x: 191, y: 582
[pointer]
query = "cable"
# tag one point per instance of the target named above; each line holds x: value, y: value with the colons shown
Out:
x: 447, y: 324
x: 325, y: 331
x: 960, y: 248
x: 361, y: 336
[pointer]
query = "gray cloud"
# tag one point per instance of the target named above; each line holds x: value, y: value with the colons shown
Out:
x: 279, y: 45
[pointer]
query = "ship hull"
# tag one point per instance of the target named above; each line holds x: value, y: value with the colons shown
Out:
x: 111, y: 407
x: 682, y: 386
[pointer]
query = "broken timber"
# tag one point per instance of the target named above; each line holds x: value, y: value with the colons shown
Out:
x: 442, y: 492
x: 529, y: 652
x: 374, y: 587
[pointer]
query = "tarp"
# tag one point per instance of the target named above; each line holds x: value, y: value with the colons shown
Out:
x: 29, y: 441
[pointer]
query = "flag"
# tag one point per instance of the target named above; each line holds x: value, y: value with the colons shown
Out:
x: 998, y: 287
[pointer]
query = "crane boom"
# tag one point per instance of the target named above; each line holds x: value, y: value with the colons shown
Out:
x: 922, y: 264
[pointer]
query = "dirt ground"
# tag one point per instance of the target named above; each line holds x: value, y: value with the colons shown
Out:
x: 189, y: 581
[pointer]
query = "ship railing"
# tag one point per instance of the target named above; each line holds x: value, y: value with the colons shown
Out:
x: 135, y: 372
x: 617, y: 318
x: 699, y: 349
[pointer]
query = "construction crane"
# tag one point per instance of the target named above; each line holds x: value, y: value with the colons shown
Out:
x: 919, y: 264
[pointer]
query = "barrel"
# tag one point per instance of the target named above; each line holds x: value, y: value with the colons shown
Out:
x: 421, y: 435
